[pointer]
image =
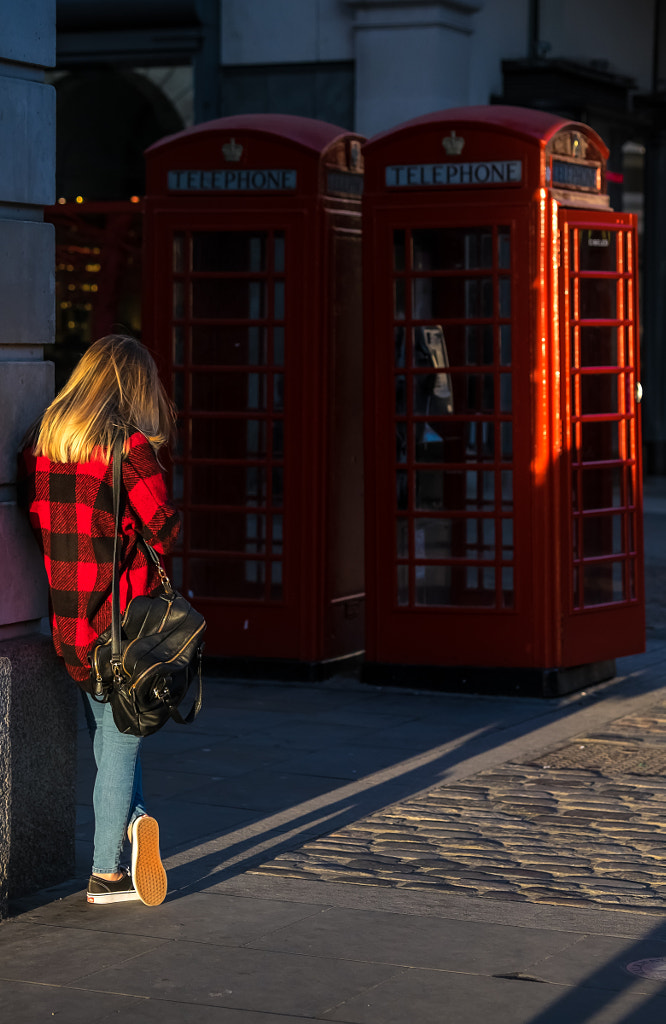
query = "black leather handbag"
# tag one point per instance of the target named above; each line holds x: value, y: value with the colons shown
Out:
x: 144, y: 663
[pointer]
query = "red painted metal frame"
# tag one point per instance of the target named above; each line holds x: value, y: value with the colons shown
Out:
x: 314, y: 620
x: 588, y: 631
x: 542, y: 630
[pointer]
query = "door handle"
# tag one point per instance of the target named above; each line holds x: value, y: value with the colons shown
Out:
x: 639, y: 392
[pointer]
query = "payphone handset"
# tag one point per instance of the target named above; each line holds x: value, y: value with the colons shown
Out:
x: 430, y: 350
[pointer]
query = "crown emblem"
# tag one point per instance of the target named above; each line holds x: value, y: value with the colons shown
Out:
x: 453, y: 144
x: 232, y: 151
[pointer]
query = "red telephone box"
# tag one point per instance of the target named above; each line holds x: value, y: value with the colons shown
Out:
x: 503, y: 512
x: 253, y: 308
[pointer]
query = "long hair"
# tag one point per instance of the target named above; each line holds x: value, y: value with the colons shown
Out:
x: 114, y: 389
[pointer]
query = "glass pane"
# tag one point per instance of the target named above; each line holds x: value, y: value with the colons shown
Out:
x: 218, y: 251
x: 505, y: 393
x: 231, y: 578
x: 228, y: 485
x: 452, y: 248
x: 598, y: 299
x: 276, y: 581
x: 278, y: 344
x: 229, y: 346
x: 440, y: 394
x: 399, y: 250
x: 399, y: 337
x: 178, y: 263
x: 478, y: 345
x: 440, y: 489
x: 506, y: 442
x: 453, y: 441
x: 429, y: 489
x: 480, y: 539
x: 178, y: 482
x: 454, y: 490
x: 433, y: 538
x: 402, y: 492
x: 178, y: 300
x: 399, y: 299
x: 505, y: 297
x: 228, y: 299
x: 228, y: 439
x: 598, y: 394
x: 277, y: 535
x: 598, y: 346
x: 239, y: 392
x: 507, y: 588
x: 179, y: 390
x: 278, y: 300
x: 401, y: 442
x: 278, y: 392
x: 176, y: 574
x: 602, y: 535
x: 277, y: 492
x: 602, y: 488
x: 597, y: 249
x: 180, y: 447
x: 178, y: 345
x: 278, y: 252
x: 400, y: 395
x: 600, y: 441
x: 455, y: 585
x: 452, y: 297
x: 402, y: 548
x: 507, y: 487
x: 505, y: 345
x: 228, y: 531
x: 277, y: 446
x: 507, y: 540
x: 504, y: 248
x: 403, y: 584
x: 603, y: 583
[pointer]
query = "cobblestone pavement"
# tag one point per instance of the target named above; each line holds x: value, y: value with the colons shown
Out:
x: 582, y: 826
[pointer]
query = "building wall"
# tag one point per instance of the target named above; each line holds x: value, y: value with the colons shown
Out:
x: 37, y: 724
x: 614, y: 32
x: 411, y: 57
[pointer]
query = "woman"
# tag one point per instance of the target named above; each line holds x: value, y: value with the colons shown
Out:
x: 67, y: 486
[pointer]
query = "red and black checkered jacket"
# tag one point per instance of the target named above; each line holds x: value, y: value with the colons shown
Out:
x: 71, y: 511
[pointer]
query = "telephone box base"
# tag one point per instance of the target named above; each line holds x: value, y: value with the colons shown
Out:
x: 514, y: 682
x: 280, y: 669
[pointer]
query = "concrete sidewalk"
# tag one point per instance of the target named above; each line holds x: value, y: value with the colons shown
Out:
x: 307, y: 833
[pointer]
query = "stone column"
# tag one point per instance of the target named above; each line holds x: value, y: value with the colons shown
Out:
x: 412, y: 57
x: 37, y: 720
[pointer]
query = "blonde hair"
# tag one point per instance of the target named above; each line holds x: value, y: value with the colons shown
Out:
x: 114, y: 389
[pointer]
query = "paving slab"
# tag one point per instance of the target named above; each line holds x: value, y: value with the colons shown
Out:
x: 433, y: 997
x: 376, y: 937
x: 55, y: 955
x: 147, y: 1011
x: 217, y: 919
x: 36, y: 1001
x: 238, y: 978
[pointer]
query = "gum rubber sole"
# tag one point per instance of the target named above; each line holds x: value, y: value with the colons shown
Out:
x: 148, y: 874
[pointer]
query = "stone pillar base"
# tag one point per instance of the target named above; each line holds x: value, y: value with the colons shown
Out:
x: 37, y: 768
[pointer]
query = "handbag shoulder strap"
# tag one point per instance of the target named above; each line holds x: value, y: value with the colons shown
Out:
x: 116, y: 653
x: 117, y: 457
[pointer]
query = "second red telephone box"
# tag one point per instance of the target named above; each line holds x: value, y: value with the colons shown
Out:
x: 253, y: 307
x: 503, y: 523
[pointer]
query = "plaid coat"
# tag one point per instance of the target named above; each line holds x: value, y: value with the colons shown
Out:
x: 71, y: 511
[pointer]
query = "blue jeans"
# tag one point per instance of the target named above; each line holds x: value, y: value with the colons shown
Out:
x: 117, y: 796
